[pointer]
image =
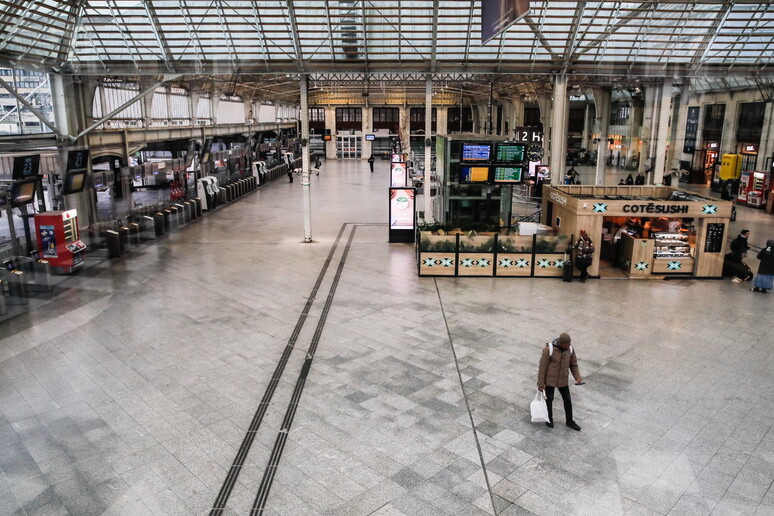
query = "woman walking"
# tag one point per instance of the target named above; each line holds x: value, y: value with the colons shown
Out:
x: 764, y: 281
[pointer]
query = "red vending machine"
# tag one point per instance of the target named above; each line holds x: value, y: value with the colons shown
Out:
x: 753, y: 188
x: 59, y: 241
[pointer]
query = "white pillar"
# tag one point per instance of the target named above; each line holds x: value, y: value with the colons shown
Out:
x: 602, y: 110
x: 766, y: 147
x: 663, y: 132
x: 728, y: 144
x: 649, y: 125
x: 330, y: 123
x: 558, y: 130
x: 428, y: 147
x: 367, y: 146
x: 442, y: 119
x: 677, y: 140
x: 305, y: 182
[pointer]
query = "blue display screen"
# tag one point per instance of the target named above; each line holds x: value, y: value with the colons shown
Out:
x: 476, y: 152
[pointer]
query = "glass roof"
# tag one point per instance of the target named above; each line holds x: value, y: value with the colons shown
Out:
x: 269, y: 36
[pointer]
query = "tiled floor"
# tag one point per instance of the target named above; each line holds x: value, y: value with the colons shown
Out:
x: 133, y: 391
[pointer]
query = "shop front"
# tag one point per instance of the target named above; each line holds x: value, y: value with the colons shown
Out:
x: 643, y: 231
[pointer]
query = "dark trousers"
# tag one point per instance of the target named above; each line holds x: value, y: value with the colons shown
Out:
x: 565, y: 392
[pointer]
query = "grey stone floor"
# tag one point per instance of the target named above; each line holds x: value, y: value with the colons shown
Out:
x: 132, y: 391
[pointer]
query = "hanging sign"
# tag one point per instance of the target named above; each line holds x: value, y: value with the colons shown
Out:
x: 25, y: 167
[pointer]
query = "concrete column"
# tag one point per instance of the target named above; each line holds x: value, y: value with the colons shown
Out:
x: 428, y: 148
x: 663, y: 132
x: 586, y: 123
x: 305, y: 182
x: 766, y: 147
x: 442, y: 119
x: 214, y: 102
x: 602, y: 114
x: 646, y: 133
x: 677, y: 140
x: 558, y: 130
x: 404, y: 128
x: 367, y: 128
x: 193, y: 105
x: 330, y: 123
x: 728, y: 144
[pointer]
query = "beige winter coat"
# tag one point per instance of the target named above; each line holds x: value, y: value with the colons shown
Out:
x: 554, y: 370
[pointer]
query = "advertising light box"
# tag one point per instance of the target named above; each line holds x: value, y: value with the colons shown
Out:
x: 402, y: 208
x: 398, y: 174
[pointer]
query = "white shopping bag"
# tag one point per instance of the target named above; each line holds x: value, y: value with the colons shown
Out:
x: 539, y: 409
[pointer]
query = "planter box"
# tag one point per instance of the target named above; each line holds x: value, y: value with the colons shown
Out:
x: 436, y: 264
x: 549, y: 264
x: 514, y: 264
x: 475, y: 264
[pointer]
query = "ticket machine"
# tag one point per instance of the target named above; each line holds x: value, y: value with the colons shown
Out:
x: 260, y: 171
x: 59, y: 240
x: 207, y: 190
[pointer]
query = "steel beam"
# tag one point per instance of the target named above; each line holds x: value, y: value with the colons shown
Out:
x: 32, y: 109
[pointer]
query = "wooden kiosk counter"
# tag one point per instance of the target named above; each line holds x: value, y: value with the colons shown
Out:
x: 647, y: 231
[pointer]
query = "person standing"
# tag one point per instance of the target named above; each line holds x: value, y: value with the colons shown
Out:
x: 740, y: 245
x: 629, y: 180
x: 584, y: 255
x: 371, y: 160
x: 317, y: 165
x: 556, y: 362
x: 640, y: 179
x: 764, y: 281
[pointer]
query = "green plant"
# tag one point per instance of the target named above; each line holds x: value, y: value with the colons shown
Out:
x: 551, y: 244
x: 447, y: 245
x: 476, y: 245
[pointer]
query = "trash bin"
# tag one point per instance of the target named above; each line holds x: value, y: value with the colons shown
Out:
x: 113, y: 242
x: 17, y: 288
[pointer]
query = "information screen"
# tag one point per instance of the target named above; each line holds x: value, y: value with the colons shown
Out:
x: 74, y: 182
x: 507, y: 174
x: 474, y: 174
x: 476, y: 152
x: 509, y: 152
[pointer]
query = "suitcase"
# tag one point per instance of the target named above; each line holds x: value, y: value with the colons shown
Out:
x: 567, y: 270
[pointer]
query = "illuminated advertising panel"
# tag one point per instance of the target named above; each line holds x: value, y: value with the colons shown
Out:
x: 398, y: 174
x: 402, y: 208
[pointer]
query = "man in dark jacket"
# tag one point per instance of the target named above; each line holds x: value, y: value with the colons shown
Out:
x: 556, y: 362
x: 739, y: 247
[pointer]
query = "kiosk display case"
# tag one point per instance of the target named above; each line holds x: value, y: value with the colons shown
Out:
x: 59, y: 240
x: 672, y: 254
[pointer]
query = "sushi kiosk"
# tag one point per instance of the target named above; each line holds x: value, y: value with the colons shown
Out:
x: 59, y: 241
x: 648, y: 231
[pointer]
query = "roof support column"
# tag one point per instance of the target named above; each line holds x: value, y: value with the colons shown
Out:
x: 663, y: 131
x: 728, y: 145
x: 586, y: 124
x: 305, y: 181
x: 330, y: 125
x: 428, y: 148
x: 602, y: 110
x: 648, y: 134
x: 766, y: 147
x: 558, y: 130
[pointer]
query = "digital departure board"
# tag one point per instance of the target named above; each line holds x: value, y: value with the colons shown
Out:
x: 509, y: 152
x: 508, y: 174
x: 474, y: 174
x: 476, y: 152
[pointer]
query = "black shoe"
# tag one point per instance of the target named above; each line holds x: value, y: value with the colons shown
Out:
x: 549, y: 424
x: 573, y: 425
x: 756, y: 289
